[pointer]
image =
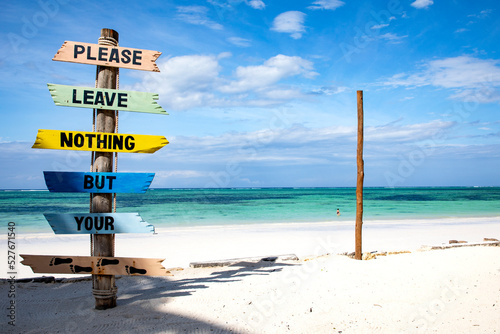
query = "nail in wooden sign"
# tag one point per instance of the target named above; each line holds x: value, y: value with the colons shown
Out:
x: 97, y: 223
x: 106, y: 55
x: 98, y: 141
x: 87, y: 182
x: 60, y: 264
x: 102, y: 98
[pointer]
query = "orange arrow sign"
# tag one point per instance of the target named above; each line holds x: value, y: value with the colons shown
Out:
x: 106, y: 55
x: 60, y: 264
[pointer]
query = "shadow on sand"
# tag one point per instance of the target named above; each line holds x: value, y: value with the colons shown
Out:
x: 69, y: 307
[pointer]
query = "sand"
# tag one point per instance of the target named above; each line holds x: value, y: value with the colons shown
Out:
x: 454, y: 290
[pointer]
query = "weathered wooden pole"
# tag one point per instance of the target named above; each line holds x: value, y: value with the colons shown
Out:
x: 104, y: 289
x: 359, y: 184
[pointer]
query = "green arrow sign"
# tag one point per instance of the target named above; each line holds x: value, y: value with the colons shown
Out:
x: 102, y: 98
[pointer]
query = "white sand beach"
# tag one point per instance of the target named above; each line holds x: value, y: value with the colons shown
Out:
x: 453, y: 290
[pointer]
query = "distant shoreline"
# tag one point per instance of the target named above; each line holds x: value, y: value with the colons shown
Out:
x: 182, y: 245
x: 263, y: 188
x: 182, y: 208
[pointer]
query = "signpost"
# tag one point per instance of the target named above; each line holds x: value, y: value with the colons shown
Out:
x: 56, y: 264
x: 97, y: 223
x: 359, y: 182
x: 108, y: 55
x: 98, y: 141
x: 131, y: 183
x: 101, y: 182
x: 103, y: 286
x: 110, y: 99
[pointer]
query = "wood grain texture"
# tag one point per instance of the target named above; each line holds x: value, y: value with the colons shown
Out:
x: 106, y: 55
x: 88, y: 182
x: 98, y: 141
x: 103, y: 98
x: 97, y: 223
x: 360, y: 178
x: 61, y: 264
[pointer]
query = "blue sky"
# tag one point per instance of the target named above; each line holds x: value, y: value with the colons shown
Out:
x: 263, y: 93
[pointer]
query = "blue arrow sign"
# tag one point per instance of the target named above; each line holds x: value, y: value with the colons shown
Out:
x: 98, y: 182
x: 97, y: 223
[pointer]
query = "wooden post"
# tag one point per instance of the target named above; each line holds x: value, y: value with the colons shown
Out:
x: 359, y: 184
x: 104, y: 289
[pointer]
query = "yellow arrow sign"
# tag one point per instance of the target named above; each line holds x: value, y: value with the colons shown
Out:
x: 98, y: 141
x: 106, y: 55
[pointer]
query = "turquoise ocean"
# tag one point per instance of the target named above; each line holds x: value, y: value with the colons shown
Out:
x: 203, y: 207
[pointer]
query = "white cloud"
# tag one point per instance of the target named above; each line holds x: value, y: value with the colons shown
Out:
x: 256, y: 4
x: 197, y: 15
x: 406, y: 98
x: 194, y: 161
x: 383, y: 25
x: 272, y: 151
x: 185, y: 81
x: 392, y: 38
x: 470, y: 78
x: 281, y: 94
x: 422, y: 3
x: 394, y: 133
x: 454, y: 72
x: 291, y: 145
x: 483, y: 95
x: 194, y: 81
x: 291, y: 22
x: 238, y: 41
x: 273, y: 70
x: 300, y: 145
x: 482, y: 14
x: 379, y: 26
x: 179, y: 174
x: 326, y: 4
x: 230, y: 4
x: 329, y: 90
